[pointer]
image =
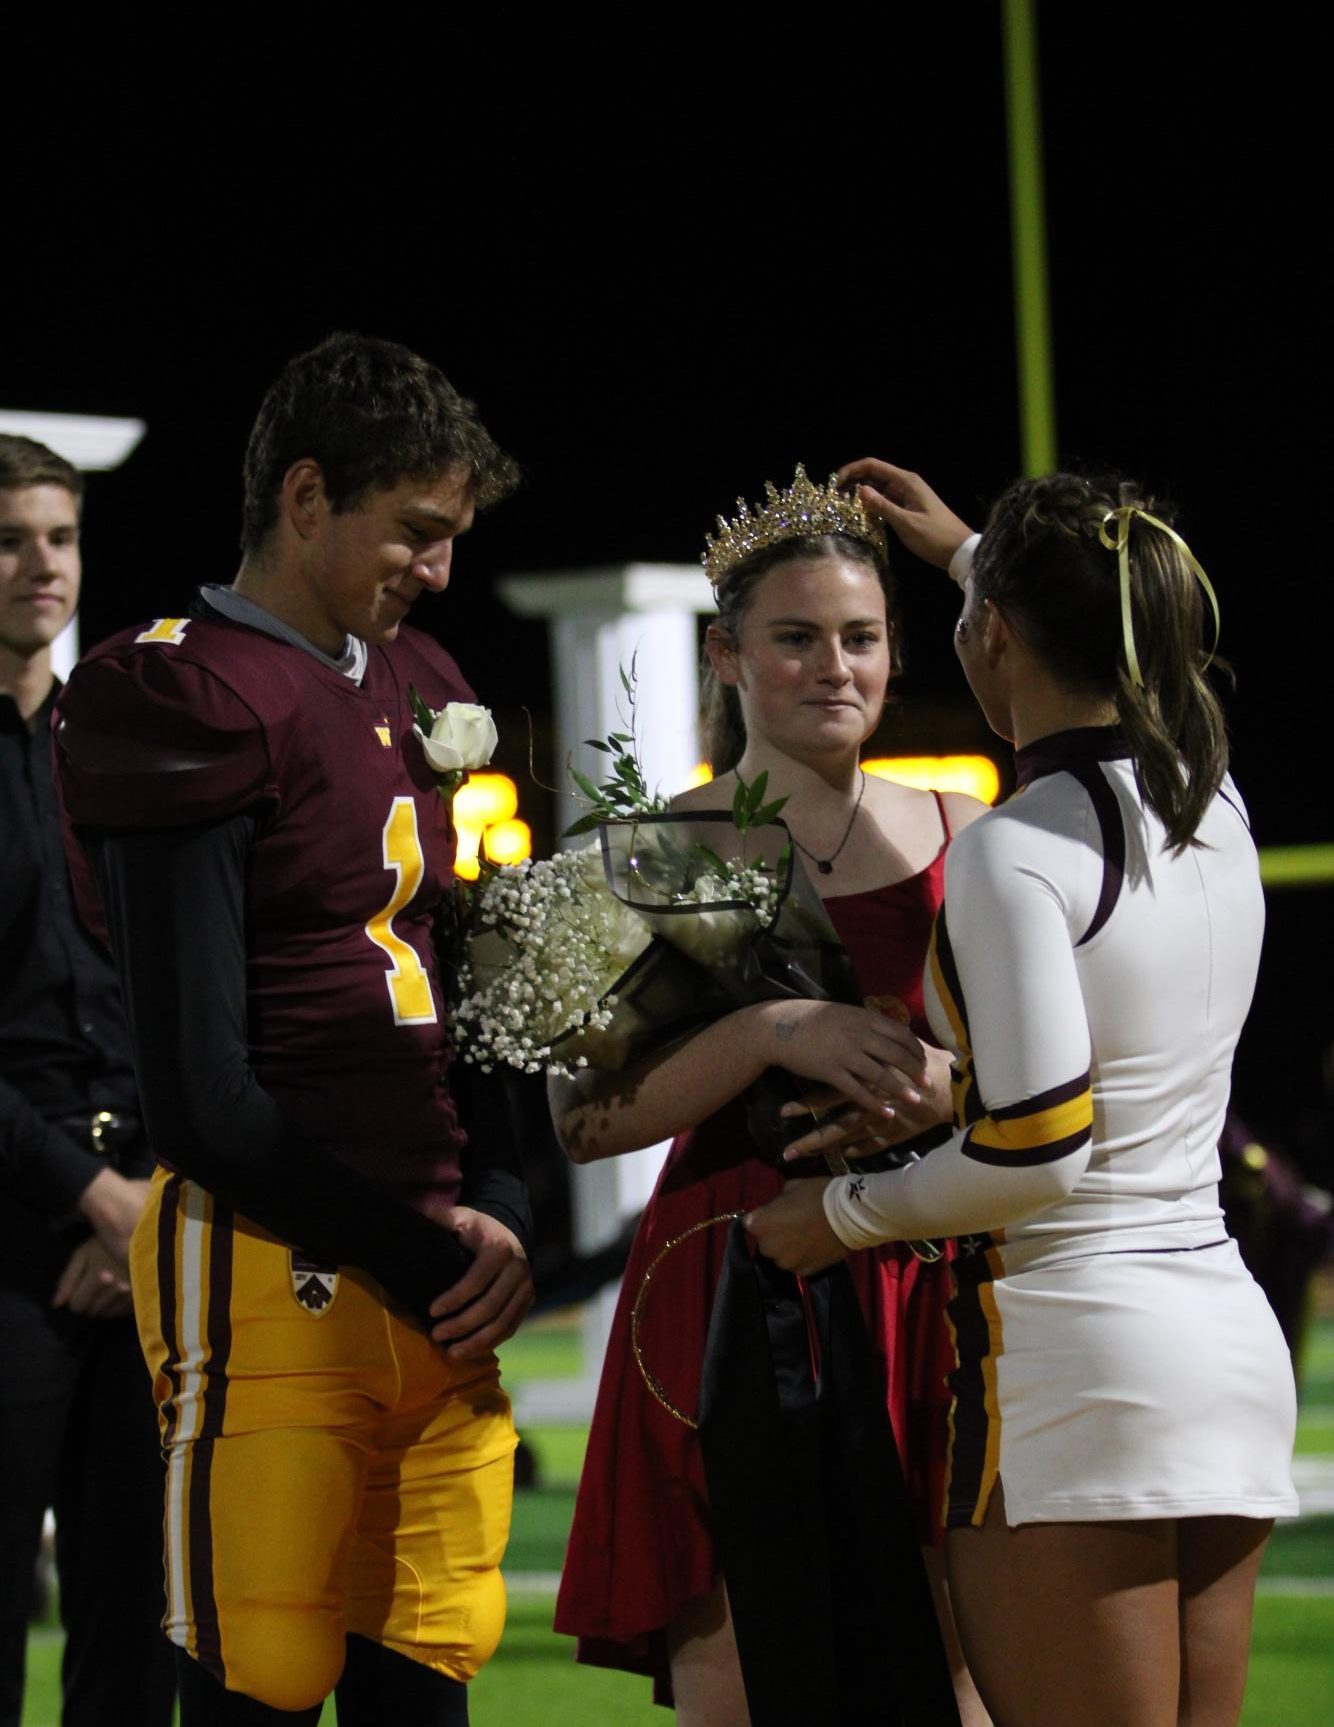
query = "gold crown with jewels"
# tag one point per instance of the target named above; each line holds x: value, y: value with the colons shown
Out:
x: 803, y: 509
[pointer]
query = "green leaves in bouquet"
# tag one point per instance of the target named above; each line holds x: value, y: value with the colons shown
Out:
x: 749, y: 809
x: 624, y: 794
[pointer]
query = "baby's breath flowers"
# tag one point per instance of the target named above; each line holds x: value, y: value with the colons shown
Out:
x: 548, y: 943
x: 552, y: 941
x: 559, y: 942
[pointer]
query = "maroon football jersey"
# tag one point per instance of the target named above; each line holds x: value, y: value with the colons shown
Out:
x: 194, y: 720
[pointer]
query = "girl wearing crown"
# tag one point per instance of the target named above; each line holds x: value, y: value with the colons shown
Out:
x: 799, y: 662
x: 1125, y: 1404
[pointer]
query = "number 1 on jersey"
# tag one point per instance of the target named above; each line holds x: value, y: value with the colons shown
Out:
x: 409, y: 986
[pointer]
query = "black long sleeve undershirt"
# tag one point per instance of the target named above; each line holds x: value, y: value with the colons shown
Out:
x: 184, y: 986
x: 491, y: 1109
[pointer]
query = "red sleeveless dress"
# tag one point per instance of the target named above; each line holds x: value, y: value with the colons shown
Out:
x: 640, y: 1546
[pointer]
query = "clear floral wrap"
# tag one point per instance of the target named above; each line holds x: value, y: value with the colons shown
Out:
x: 596, y: 958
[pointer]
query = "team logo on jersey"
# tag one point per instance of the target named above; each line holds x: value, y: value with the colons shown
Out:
x: 384, y: 734
x: 164, y: 630
x: 313, y: 1284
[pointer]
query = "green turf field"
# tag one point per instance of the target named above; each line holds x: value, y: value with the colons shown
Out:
x: 533, y: 1682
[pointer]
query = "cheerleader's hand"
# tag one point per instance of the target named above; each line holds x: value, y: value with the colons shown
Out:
x: 925, y: 524
x: 841, y: 1130
x: 793, y: 1230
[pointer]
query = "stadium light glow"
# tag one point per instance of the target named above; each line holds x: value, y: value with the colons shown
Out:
x: 485, y: 807
x: 485, y: 798
x: 508, y: 842
x: 466, y: 842
x: 976, y: 775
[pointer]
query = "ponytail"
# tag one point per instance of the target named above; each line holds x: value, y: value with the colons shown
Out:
x: 1172, y: 718
x: 1047, y: 559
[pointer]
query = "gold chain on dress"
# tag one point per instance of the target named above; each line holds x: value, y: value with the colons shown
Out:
x: 641, y: 1299
x: 837, y: 1164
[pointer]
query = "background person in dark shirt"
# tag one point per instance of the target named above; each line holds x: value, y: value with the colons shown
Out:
x: 77, y: 1427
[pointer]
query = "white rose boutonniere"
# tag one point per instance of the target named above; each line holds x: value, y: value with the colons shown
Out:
x: 463, y: 735
x: 455, y: 739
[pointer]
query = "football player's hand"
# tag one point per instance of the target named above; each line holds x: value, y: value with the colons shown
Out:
x: 904, y: 500
x: 793, y: 1230
x: 93, y: 1283
x: 112, y: 1205
x: 487, y: 1303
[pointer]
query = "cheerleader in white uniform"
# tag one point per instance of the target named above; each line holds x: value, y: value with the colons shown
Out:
x: 1124, y: 1402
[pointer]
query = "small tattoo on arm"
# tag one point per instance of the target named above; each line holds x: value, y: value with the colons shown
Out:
x: 785, y: 1030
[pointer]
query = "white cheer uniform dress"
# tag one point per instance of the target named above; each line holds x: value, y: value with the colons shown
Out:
x: 1115, y: 1358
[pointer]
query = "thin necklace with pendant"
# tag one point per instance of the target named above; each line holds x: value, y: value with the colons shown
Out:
x: 826, y: 865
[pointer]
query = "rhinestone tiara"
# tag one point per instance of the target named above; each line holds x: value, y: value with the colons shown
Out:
x: 804, y: 508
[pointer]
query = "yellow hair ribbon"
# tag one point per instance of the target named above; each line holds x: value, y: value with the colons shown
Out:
x: 1120, y: 544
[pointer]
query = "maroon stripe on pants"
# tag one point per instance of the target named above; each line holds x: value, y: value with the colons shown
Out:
x: 218, y: 1344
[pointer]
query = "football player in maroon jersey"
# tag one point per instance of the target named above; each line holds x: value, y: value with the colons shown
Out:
x: 329, y: 1257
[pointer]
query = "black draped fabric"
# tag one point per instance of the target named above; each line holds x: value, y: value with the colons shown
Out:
x: 834, y: 1621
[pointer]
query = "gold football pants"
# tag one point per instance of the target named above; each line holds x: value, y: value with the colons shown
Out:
x: 328, y: 1471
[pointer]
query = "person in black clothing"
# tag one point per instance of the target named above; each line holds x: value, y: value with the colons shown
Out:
x: 77, y: 1428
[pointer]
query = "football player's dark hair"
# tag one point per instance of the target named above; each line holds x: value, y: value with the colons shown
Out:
x: 371, y: 413
x: 25, y: 462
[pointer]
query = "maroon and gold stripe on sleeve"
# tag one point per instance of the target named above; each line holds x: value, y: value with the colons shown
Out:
x: 1041, y: 1129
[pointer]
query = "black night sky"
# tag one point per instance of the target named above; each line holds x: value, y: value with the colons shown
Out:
x: 669, y: 258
